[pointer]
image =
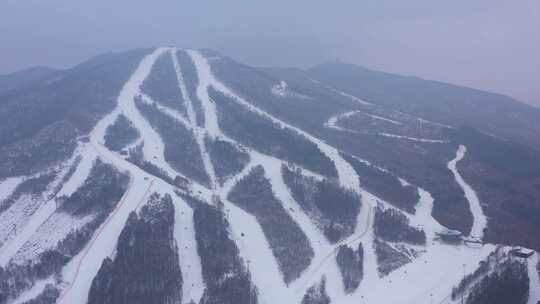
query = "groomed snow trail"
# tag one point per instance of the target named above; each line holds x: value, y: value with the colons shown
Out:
x: 82, y: 171
x: 207, y: 79
x: 153, y: 148
x: 368, y: 104
x: 199, y: 134
x: 534, y: 280
x: 347, y: 178
x: 317, y: 240
x: 377, y: 288
x: 245, y: 230
x: 346, y: 175
x: 8, y: 185
x: 82, y: 269
x: 190, y: 264
x: 255, y: 248
x: 480, y: 220
x: 33, y: 292
x: 417, y: 139
x: 431, y: 271
x: 422, y: 216
x: 333, y: 121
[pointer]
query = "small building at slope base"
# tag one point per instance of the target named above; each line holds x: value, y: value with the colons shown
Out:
x: 449, y: 236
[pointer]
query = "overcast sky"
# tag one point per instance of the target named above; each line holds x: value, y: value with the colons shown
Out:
x: 487, y: 44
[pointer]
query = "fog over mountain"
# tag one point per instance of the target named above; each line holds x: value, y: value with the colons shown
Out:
x: 486, y: 44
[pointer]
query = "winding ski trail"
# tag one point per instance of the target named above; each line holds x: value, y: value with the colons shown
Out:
x: 479, y: 218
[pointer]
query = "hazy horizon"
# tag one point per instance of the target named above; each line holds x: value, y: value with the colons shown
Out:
x: 488, y: 45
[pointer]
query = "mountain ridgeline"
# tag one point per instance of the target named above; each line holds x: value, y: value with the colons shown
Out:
x: 170, y: 176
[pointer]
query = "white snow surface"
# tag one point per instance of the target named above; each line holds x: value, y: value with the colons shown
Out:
x: 14, y: 220
x: 33, y: 292
x: 422, y: 217
x: 81, y: 172
x: 480, y: 220
x: 190, y: 263
x: 417, y: 139
x: 206, y: 79
x: 24, y: 217
x: 81, y: 270
x: 210, y: 121
x: 433, y: 274
x: 332, y: 122
x: 254, y: 246
x: 324, y: 264
x: 47, y: 229
x: 8, y: 185
x: 395, y: 122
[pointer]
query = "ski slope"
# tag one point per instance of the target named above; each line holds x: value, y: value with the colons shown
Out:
x: 333, y: 123
x: 417, y: 139
x: 429, y: 277
x: 190, y: 263
x: 80, y: 272
x: 480, y: 220
x: 8, y: 185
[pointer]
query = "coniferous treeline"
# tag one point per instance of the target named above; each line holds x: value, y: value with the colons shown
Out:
x: 226, y: 158
x: 227, y: 279
x: 332, y: 208
x: 393, y: 226
x: 146, y: 267
x: 269, y: 137
x: 162, y: 85
x: 181, y: 148
x: 191, y: 80
x: 388, y: 258
x: 98, y: 195
x: 510, y: 285
x: 351, y: 266
x: 120, y: 133
x: 316, y: 294
x: 136, y: 157
x: 385, y: 185
x: 287, y: 241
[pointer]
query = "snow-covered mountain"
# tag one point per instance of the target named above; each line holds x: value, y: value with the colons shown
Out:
x: 181, y: 176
